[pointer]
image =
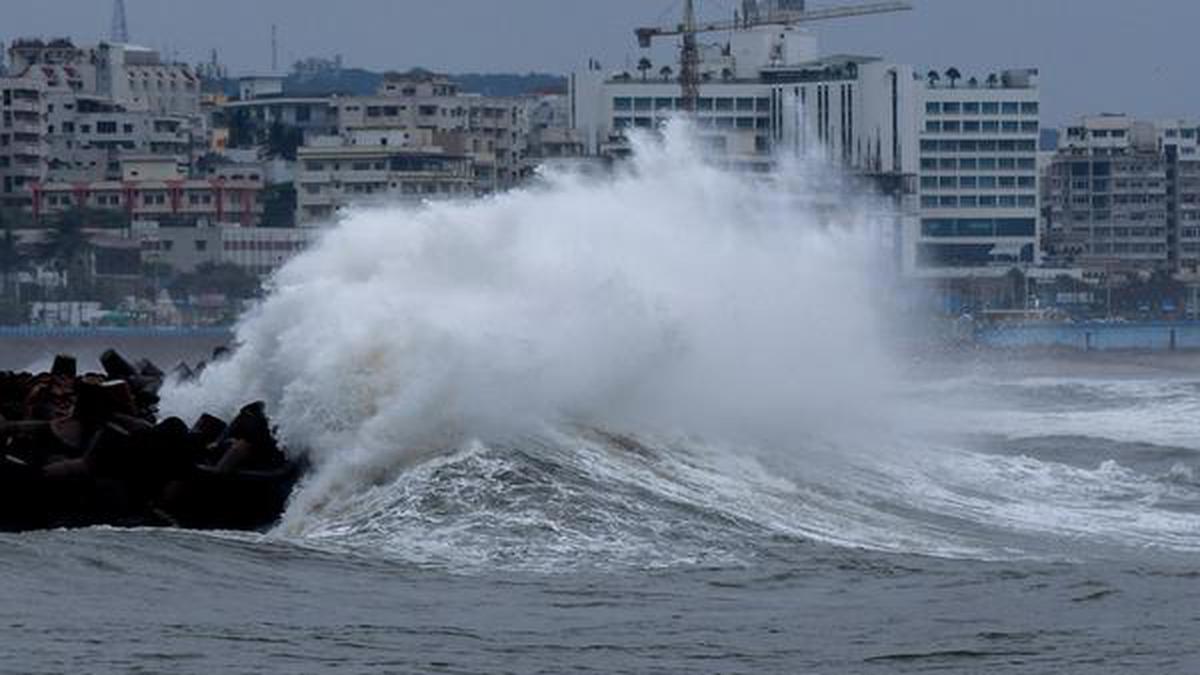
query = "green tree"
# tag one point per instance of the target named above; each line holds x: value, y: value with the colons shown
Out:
x: 283, y: 141
x: 954, y: 76
x: 67, y: 247
x: 10, y: 261
x: 226, y: 279
x: 279, y: 205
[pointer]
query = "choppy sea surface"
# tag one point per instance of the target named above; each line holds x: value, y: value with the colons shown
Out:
x: 1046, y: 521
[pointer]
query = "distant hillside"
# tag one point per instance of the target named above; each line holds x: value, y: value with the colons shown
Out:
x: 359, y: 82
x: 500, y: 84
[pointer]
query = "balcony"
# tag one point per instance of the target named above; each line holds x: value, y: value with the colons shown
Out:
x: 23, y: 126
x: 26, y: 105
x: 27, y: 150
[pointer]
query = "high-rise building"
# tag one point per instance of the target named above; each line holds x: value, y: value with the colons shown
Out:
x: 23, y: 151
x: 1123, y: 196
x: 978, y: 176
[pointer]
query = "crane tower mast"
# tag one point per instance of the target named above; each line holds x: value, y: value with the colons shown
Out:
x: 780, y: 13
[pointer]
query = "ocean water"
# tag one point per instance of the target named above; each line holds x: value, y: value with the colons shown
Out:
x: 648, y: 423
x: 1068, y: 549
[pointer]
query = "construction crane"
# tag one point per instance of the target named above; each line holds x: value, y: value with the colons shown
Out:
x: 120, y: 26
x: 787, y: 13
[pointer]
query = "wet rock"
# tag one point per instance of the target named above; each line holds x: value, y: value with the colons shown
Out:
x: 64, y: 366
x: 79, y: 450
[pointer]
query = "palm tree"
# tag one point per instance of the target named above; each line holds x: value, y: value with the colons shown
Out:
x: 992, y: 81
x: 666, y: 73
x: 973, y: 83
x: 933, y: 78
x: 954, y: 76
x: 644, y: 65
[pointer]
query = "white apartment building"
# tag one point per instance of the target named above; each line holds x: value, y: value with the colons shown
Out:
x: 87, y: 136
x: 257, y: 250
x: 23, y: 153
x: 979, y: 209
x: 767, y: 90
x: 134, y: 77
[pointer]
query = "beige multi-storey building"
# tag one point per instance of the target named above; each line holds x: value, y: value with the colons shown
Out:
x: 1123, y: 196
x: 376, y: 168
x: 152, y: 189
x: 492, y: 130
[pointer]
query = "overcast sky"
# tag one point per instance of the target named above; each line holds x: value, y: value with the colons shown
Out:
x: 1095, y: 55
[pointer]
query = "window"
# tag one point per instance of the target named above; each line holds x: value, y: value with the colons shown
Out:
x: 971, y: 126
x: 745, y: 105
x: 987, y: 182
x: 642, y: 103
x: 1029, y: 108
x: 951, y: 108
x: 1011, y: 108
x: 724, y: 104
x: 951, y: 126
x: 967, y: 182
x: 968, y: 164
x: 933, y: 127
x: 664, y: 103
x: 929, y: 182
x: 623, y: 103
x: 990, y: 127
x: 948, y: 182
x: 990, y: 108
x: 933, y: 108
x: 970, y: 108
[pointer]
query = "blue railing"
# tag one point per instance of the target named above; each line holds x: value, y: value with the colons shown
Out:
x: 1094, y: 336
x: 52, y: 332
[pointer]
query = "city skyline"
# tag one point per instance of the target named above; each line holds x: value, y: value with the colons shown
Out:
x: 461, y: 36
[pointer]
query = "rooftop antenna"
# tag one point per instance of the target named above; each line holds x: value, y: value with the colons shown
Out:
x: 274, y: 49
x: 120, y: 27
